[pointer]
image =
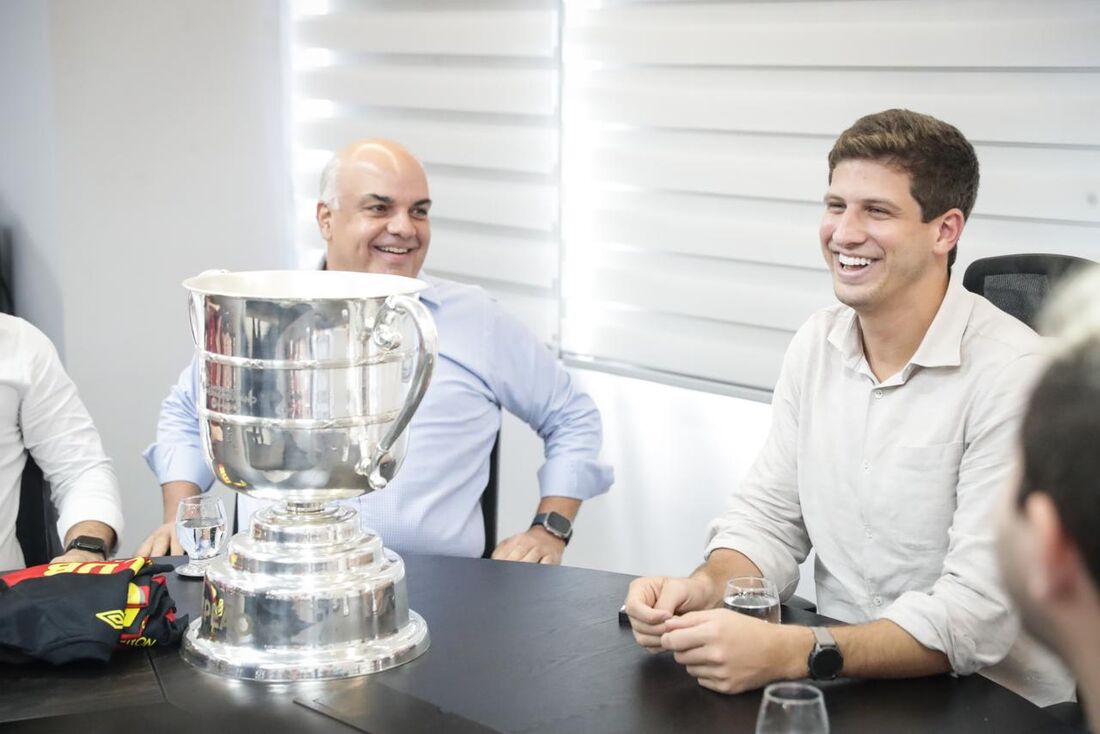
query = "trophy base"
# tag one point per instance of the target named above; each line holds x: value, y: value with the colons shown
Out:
x: 304, y: 595
x: 288, y: 665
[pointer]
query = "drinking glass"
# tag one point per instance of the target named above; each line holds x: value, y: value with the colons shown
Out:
x: 754, y: 596
x: 792, y: 708
x: 200, y: 523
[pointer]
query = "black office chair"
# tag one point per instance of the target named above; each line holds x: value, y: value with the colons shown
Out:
x: 36, y: 523
x: 1018, y: 284
x: 489, y: 500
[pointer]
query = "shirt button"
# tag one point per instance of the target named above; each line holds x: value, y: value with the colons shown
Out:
x: 868, y: 533
x: 878, y: 393
x: 866, y: 466
x: 877, y: 600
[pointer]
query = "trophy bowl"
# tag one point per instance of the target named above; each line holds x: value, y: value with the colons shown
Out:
x: 307, y: 383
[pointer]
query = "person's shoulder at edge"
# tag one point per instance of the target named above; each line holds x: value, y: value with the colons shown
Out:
x: 814, y: 331
x: 470, y: 304
x: 452, y: 290
x: 17, y: 333
x: 997, y: 333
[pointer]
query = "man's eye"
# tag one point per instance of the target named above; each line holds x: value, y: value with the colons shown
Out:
x: 878, y: 212
x: 376, y: 208
x: 420, y: 213
x: 835, y: 206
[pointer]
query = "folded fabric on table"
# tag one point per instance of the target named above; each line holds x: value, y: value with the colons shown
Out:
x: 62, y: 612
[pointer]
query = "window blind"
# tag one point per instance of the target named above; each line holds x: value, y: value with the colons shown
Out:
x: 469, y: 86
x: 677, y: 150
x: 695, y: 138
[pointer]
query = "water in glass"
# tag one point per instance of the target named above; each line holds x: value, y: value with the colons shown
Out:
x: 754, y: 596
x: 754, y: 605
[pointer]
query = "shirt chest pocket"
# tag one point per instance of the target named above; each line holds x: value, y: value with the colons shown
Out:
x: 919, y: 493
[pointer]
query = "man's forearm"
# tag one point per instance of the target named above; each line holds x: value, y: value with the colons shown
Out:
x: 882, y: 649
x: 722, y: 565
x: 93, y: 528
x: 173, y: 493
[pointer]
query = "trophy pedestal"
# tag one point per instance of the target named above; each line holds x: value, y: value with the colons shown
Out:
x: 305, y: 595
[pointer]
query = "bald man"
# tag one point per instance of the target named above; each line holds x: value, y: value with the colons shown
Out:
x: 373, y: 214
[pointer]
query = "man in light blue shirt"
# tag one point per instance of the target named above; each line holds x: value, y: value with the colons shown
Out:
x: 373, y: 214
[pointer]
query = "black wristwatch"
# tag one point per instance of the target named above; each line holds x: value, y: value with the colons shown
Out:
x: 556, y: 524
x: 825, y: 661
x: 88, y: 543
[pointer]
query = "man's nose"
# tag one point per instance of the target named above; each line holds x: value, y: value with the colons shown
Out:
x: 400, y: 225
x: 849, y: 229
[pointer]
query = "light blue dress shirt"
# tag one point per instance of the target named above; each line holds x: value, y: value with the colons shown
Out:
x: 487, y: 360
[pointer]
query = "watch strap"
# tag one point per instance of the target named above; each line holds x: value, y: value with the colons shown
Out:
x: 823, y: 637
x: 88, y: 543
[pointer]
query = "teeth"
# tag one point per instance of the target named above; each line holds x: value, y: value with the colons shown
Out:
x: 394, y: 250
x: 849, y: 260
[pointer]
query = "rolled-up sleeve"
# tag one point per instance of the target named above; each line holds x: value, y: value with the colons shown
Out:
x: 763, y: 519
x: 529, y: 381
x: 177, y: 454
x: 968, y: 615
x: 59, y: 433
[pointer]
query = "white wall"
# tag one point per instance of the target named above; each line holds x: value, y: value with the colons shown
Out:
x: 143, y: 142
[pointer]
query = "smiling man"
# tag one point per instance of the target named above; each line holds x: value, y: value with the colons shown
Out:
x: 374, y: 216
x: 892, y: 427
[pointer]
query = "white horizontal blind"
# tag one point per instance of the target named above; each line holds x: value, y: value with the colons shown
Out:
x: 472, y: 88
x: 695, y: 138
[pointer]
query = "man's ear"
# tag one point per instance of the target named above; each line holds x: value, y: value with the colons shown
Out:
x: 949, y: 230
x: 1059, y: 564
x: 324, y: 220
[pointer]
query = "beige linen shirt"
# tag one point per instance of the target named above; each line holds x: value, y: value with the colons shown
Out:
x: 895, y: 483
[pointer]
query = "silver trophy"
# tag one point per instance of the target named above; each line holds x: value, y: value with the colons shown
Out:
x: 308, y: 380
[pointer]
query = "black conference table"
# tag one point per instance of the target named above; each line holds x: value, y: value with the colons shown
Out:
x: 514, y: 648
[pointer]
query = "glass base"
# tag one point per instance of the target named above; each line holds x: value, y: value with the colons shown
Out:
x: 192, y: 570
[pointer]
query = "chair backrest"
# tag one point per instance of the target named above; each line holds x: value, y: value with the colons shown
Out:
x: 1018, y: 284
x: 489, y: 500
x: 36, y: 523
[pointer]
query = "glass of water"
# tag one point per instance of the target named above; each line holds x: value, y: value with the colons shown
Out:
x: 200, y: 523
x: 754, y: 596
x: 792, y: 708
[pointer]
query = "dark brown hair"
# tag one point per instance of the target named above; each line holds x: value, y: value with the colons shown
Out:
x: 940, y: 161
x: 1061, y: 432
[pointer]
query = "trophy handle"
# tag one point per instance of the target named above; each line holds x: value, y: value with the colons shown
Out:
x: 382, y: 466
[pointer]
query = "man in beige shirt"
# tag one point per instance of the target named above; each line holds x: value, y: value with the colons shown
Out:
x: 892, y: 427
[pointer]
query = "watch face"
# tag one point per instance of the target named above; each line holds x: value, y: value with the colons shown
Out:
x: 827, y: 663
x: 558, y: 523
x: 89, y: 543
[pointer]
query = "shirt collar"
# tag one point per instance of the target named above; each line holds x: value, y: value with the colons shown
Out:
x: 940, y: 347
x: 942, y: 343
x: 430, y: 295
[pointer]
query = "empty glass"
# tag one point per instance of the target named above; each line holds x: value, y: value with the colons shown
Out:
x: 754, y: 596
x: 200, y: 524
x: 792, y: 708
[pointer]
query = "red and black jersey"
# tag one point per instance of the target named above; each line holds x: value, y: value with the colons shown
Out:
x: 61, y: 612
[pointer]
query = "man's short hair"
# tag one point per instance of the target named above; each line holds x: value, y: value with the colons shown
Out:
x: 940, y: 161
x: 329, y: 174
x: 1061, y: 429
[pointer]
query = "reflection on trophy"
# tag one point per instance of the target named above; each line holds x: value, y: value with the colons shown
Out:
x: 307, y: 383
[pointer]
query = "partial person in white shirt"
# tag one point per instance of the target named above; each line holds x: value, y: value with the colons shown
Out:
x: 892, y: 431
x: 1049, y: 530
x: 41, y: 414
